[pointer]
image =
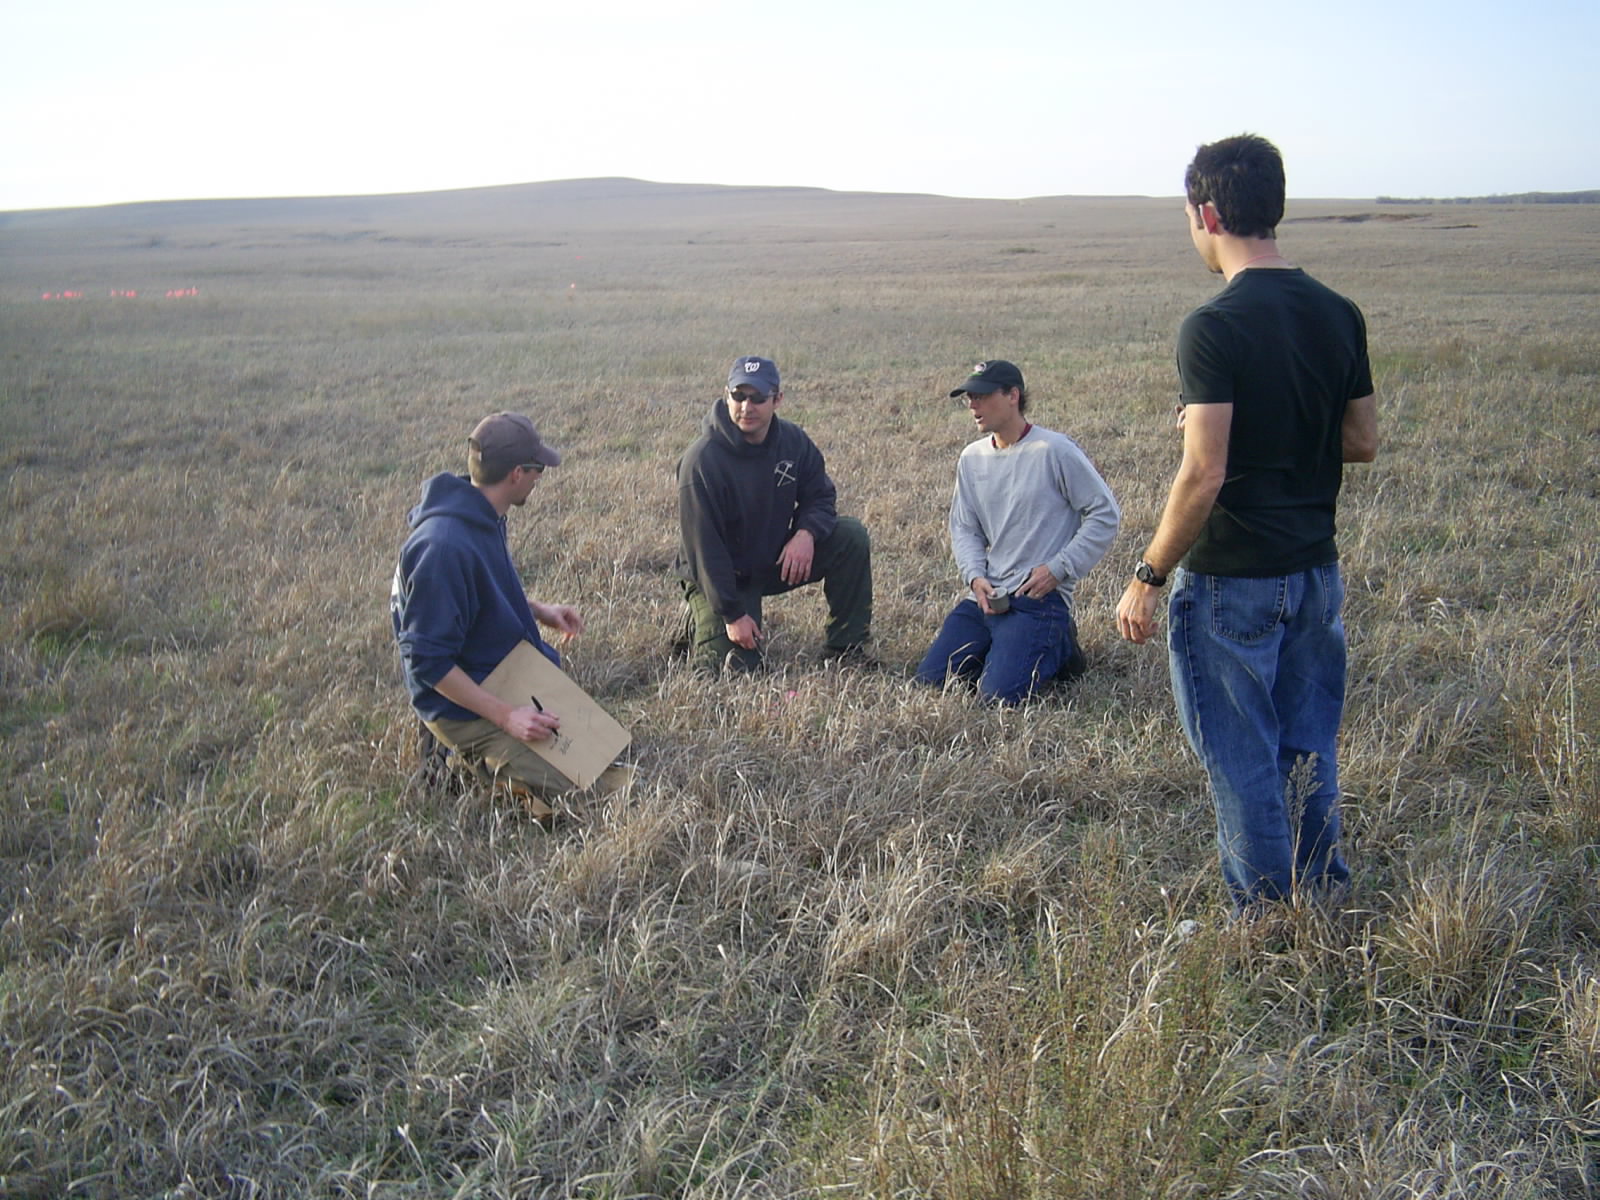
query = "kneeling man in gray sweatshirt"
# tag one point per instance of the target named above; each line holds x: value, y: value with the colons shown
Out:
x: 1029, y: 518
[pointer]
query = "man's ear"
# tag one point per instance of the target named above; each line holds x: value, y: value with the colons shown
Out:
x: 1207, y: 215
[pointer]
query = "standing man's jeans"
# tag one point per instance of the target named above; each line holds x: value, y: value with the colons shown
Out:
x: 842, y: 561
x: 1258, y: 669
x: 1012, y: 654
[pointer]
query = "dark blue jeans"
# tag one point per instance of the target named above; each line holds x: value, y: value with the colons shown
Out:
x: 1258, y: 670
x: 1011, y: 655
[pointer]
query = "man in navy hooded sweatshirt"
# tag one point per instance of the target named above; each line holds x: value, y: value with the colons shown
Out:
x: 459, y: 607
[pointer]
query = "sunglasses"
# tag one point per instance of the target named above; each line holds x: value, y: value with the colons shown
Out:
x: 749, y: 397
x: 535, y: 468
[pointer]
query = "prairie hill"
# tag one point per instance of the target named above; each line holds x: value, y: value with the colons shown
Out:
x: 563, y: 203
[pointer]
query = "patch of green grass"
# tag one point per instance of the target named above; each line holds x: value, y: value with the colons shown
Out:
x: 35, y: 709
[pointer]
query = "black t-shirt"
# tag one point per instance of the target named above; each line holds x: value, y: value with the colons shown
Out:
x: 1289, y: 354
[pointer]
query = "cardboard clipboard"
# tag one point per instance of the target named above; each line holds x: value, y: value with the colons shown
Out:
x: 589, y: 739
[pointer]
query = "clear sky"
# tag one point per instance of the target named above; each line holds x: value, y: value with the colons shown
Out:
x: 117, y: 100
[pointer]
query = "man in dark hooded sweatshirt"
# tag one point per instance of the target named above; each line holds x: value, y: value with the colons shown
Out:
x: 458, y: 608
x: 757, y: 513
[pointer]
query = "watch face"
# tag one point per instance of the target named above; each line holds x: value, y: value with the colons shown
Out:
x: 1145, y: 573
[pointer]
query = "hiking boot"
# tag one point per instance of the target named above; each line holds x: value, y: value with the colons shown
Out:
x: 435, y: 762
x: 615, y: 778
x: 533, y: 804
x: 739, y: 661
x: 863, y: 655
x: 1073, y: 668
x: 683, y: 639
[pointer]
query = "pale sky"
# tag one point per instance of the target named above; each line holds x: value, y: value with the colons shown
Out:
x: 106, y: 101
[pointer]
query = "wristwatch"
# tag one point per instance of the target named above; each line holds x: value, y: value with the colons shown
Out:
x: 1145, y: 573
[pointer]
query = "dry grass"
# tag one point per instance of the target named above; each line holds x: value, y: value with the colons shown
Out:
x: 844, y: 937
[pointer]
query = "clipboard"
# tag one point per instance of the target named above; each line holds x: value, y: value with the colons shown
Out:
x: 589, y: 739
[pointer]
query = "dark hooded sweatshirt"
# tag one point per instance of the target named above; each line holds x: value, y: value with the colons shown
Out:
x: 738, y: 503
x: 457, y: 600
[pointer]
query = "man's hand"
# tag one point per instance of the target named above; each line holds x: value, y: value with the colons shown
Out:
x: 744, y: 632
x: 982, y: 589
x: 1136, y: 612
x: 1041, y: 581
x: 530, y: 724
x: 563, y: 618
x: 794, y: 563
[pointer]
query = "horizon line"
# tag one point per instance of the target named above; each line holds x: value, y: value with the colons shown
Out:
x: 1509, y: 197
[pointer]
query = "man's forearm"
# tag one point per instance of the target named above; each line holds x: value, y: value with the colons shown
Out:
x: 969, y: 548
x: 1097, y: 530
x: 1358, y: 434
x: 1193, y: 495
x: 527, y: 723
x: 458, y: 687
x: 1189, y: 503
x: 1200, y: 476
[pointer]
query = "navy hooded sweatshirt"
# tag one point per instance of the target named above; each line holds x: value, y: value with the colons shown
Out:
x: 738, y: 503
x: 457, y: 600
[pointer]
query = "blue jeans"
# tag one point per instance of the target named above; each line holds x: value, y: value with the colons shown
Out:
x: 1011, y: 655
x: 1258, y: 669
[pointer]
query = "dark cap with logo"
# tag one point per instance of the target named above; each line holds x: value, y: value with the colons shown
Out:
x: 508, y: 440
x: 759, y: 373
x: 992, y: 376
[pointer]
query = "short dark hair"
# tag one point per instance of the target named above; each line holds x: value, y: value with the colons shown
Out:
x: 1022, y: 400
x: 1242, y: 177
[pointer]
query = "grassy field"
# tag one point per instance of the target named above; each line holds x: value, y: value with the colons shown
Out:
x: 844, y: 937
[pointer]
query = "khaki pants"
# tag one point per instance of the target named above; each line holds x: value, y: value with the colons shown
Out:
x: 497, y: 757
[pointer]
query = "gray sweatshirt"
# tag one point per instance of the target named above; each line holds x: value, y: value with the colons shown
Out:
x: 1037, y: 501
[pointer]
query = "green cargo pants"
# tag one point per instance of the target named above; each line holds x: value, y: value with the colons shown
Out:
x: 843, y: 562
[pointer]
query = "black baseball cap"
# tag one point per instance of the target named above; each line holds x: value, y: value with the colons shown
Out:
x: 992, y: 376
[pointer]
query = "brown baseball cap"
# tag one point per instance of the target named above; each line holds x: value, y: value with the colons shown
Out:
x: 508, y: 440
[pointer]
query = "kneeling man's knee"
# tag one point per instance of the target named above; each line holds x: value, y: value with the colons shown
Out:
x: 851, y: 536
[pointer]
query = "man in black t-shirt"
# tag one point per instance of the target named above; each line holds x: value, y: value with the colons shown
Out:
x: 1277, y: 396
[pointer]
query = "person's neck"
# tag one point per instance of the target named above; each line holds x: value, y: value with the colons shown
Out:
x: 1250, y: 254
x: 1013, y: 433
x: 498, y: 497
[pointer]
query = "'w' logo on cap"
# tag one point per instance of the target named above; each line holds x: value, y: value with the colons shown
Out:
x: 751, y: 366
